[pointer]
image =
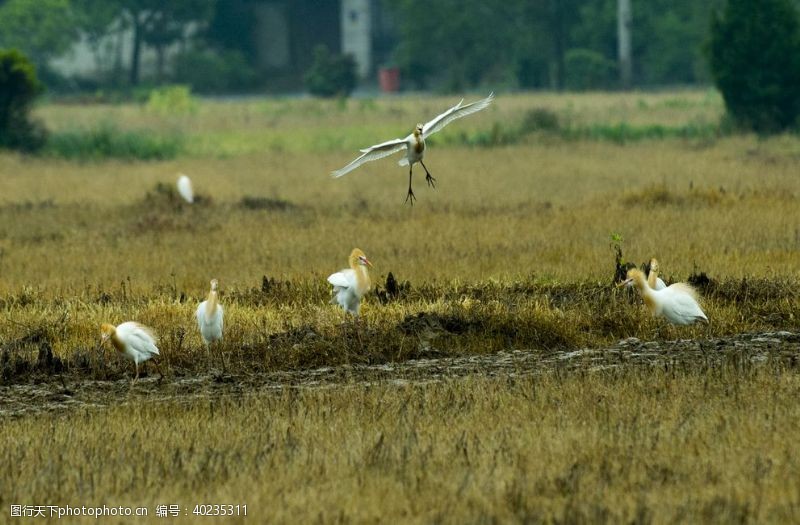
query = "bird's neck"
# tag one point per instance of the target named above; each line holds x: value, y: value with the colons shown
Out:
x: 648, y: 295
x: 419, y: 143
x: 117, y: 342
x: 362, y: 278
x: 211, y: 304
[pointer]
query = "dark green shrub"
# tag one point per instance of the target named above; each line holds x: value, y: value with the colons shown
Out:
x: 209, y: 71
x: 331, y: 74
x: 587, y: 69
x: 754, y: 56
x: 106, y: 142
x: 19, y: 87
x: 540, y: 119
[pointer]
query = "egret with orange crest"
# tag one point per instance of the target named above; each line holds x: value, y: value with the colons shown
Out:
x: 209, y: 319
x: 677, y: 303
x: 350, y: 284
x: 133, y: 341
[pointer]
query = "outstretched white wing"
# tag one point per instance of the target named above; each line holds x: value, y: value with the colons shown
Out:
x: 454, y: 113
x: 378, y: 151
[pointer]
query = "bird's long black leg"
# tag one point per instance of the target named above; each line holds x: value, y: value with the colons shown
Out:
x: 429, y: 177
x: 410, y: 194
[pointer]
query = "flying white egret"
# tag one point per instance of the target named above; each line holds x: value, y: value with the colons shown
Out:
x: 134, y: 341
x: 350, y: 284
x: 209, y: 319
x: 414, y: 144
x: 677, y: 302
x: 184, y: 185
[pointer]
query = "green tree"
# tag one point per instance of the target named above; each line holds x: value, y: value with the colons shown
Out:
x: 232, y: 27
x: 168, y: 23
x: 156, y: 23
x: 159, y: 23
x: 41, y: 29
x: 587, y: 69
x: 754, y: 56
x: 457, y: 42
x: 669, y: 39
x: 96, y: 20
x: 667, y: 35
x: 19, y: 87
x: 331, y: 74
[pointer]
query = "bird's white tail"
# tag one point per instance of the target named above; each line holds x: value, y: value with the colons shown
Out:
x: 403, y: 161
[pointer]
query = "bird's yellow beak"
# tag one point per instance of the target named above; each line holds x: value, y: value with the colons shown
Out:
x: 626, y: 282
x: 367, y: 261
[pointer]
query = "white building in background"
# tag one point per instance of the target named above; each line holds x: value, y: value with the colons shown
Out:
x: 347, y: 26
x: 112, y: 55
x: 273, y: 38
x: 356, y: 38
x: 286, y: 33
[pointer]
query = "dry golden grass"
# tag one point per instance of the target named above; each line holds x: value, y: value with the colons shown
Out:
x: 730, y: 209
x: 81, y: 237
x: 711, y: 445
x: 511, y: 251
x: 87, y: 243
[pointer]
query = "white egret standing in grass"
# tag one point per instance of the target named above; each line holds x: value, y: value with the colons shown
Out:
x: 414, y: 144
x: 209, y: 319
x: 185, y: 188
x: 134, y: 341
x: 677, y: 302
x: 350, y: 284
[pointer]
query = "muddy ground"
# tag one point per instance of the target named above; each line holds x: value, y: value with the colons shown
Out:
x: 61, y: 392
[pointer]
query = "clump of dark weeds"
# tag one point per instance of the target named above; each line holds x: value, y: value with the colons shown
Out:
x: 393, y: 291
x: 621, y: 266
x: 701, y: 281
x: 16, y: 356
x: 470, y: 318
x: 31, y: 205
x: 266, y: 203
x: 165, y: 196
x: 275, y: 291
x: 163, y: 209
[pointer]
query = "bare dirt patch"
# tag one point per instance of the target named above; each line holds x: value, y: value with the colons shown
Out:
x: 58, y: 393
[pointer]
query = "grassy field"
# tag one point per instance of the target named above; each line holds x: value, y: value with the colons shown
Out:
x: 644, y: 446
x: 512, y: 250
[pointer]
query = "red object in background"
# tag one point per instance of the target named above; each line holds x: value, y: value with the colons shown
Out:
x: 389, y: 79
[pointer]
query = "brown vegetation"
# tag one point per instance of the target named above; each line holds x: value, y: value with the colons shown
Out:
x: 510, y: 252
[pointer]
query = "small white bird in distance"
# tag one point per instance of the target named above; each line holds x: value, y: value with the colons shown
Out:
x: 209, y: 319
x: 677, y: 302
x: 350, y: 284
x: 185, y: 188
x: 134, y: 341
x: 414, y: 144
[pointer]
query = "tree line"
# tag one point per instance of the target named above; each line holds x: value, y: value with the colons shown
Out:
x: 446, y: 44
x: 749, y: 48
